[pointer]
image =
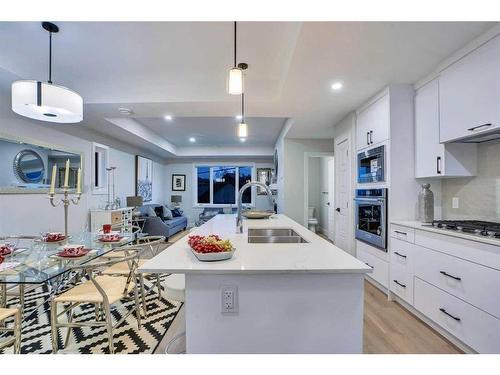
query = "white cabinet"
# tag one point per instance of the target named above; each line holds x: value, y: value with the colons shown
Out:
x: 373, y: 123
x: 433, y: 159
x: 479, y: 330
x: 471, y: 282
x: 120, y: 218
x: 469, y: 93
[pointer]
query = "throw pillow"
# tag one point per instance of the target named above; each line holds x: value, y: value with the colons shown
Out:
x: 159, y: 212
x: 150, y: 212
x: 167, y: 214
x: 176, y: 212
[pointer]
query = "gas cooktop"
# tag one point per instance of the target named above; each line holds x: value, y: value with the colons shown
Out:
x: 481, y: 228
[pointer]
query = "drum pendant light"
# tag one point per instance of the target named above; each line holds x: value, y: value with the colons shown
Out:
x: 242, y: 127
x: 235, y: 78
x: 46, y: 101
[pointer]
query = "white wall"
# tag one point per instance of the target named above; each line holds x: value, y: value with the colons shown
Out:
x: 293, y: 184
x: 186, y: 168
x: 324, y: 174
x: 314, y: 186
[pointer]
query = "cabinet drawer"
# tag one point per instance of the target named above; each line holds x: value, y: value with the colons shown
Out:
x: 401, y: 254
x: 474, y: 327
x: 401, y: 282
x: 403, y: 233
x: 116, y: 217
x: 471, y: 282
x: 380, y: 268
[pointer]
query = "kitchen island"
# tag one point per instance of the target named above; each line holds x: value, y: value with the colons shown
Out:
x: 287, y: 297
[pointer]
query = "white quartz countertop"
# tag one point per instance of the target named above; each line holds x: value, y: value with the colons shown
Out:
x: 448, y: 232
x: 316, y: 256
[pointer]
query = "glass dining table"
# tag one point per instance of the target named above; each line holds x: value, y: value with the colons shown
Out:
x: 34, y: 262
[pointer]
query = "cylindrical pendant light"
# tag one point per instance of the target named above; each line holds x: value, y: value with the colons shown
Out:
x: 242, y: 127
x: 45, y: 101
x: 235, y: 78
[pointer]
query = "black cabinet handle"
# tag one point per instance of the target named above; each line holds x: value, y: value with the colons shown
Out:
x: 401, y: 285
x: 400, y: 255
x: 447, y: 313
x: 399, y: 232
x: 369, y: 265
x: 438, y: 165
x: 337, y: 209
x: 448, y: 275
x: 371, y: 136
x: 478, y: 127
x: 367, y: 138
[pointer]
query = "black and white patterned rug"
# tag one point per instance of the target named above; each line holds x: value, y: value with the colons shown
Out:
x: 128, y: 339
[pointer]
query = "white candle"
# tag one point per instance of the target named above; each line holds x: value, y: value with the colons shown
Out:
x: 66, y: 175
x: 53, y: 180
x: 79, y: 181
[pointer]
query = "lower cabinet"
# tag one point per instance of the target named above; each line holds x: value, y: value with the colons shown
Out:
x: 380, y: 267
x: 401, y: 283
x: 476, y: 328
x: 453, y: 282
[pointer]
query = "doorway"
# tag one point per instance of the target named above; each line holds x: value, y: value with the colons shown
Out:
x: 319, y: 208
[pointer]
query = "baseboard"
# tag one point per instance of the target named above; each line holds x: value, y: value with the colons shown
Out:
x: 448, y: 336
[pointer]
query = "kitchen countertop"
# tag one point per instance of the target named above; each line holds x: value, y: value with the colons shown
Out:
x: 316, y: 256
x: 448, y: 232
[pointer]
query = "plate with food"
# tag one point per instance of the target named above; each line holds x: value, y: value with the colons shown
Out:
x: 110, y: 238
x: 52, y: 237
x: 210, y: 248
x: 72, y: 251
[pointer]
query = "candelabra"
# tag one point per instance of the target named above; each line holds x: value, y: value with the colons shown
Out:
x: 66, y: 201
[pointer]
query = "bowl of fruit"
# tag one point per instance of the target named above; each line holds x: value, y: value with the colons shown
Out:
x: 210, y: 248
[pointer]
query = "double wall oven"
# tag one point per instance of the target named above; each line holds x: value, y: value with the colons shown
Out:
x: 371, y: 217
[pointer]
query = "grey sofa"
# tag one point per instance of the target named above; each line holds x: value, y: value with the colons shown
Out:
x: 155, y: 226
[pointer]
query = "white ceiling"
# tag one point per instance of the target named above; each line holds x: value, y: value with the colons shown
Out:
x: 215, y: 131
x: 180, y: 69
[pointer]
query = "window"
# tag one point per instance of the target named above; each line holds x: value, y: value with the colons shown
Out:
x: 218, y: 185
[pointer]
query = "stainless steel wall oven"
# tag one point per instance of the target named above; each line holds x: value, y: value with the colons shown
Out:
x: 371, y: 217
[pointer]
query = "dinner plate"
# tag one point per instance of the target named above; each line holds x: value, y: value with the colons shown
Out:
x: 82, y: 253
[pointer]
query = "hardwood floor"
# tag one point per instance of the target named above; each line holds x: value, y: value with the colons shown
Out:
x: 390, y: 329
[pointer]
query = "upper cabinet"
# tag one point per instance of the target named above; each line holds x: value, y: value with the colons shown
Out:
x: 469, y: 94
x: 433, y: 159
x: 372, y: 125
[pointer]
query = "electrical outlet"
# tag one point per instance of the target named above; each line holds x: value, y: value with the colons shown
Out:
x: 229, y: 298
x: 455, y: 202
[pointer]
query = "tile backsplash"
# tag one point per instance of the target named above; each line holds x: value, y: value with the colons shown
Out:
x: 479, y: 197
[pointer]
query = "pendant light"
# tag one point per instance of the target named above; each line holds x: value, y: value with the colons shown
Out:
x: 242, y: 127
x: 235, y: 78
x: 46, y: 101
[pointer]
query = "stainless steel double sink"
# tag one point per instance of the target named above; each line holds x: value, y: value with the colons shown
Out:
x: 274, y: 235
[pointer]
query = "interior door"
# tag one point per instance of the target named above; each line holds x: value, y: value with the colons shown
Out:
x: 341, y: 202
x: 331, y: 199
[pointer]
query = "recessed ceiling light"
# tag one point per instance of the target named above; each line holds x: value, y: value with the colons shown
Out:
x: 192, y: 139
x: 238, y: 117
x: 336, y: 86
x: 168, y: 117
x: 243, y: 139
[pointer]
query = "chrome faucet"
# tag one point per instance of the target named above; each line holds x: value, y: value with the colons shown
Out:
x: 239, y: 220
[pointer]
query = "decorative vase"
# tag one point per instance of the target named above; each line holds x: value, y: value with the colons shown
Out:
x: 426, y: 204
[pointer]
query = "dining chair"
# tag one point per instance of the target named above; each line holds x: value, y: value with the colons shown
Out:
x: 150, y: 244
x: 101, y: 290
x: 16, y: 290
x: 6, y: 313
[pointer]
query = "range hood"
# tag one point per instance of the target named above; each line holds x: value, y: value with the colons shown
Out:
x: 484, y: 136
